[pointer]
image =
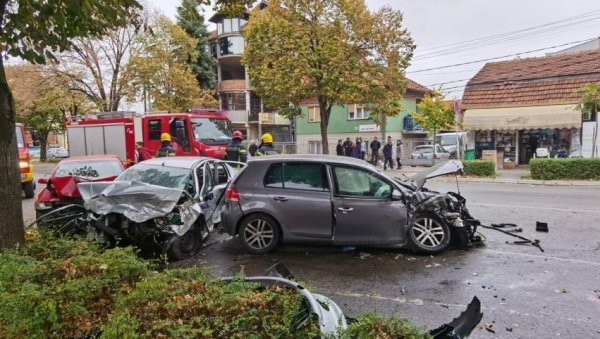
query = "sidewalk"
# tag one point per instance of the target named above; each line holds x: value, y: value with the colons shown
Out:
x: 503, y: 176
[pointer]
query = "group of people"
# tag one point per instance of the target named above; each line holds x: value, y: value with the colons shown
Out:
x: 358, y: 150
x: 235, y: 151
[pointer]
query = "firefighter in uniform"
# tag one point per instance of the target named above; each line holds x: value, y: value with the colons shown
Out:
x: 235, y: 150
x: 165, y: 150
x: 266, y: 145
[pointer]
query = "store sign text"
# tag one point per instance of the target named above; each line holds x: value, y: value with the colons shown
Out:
x: 517, y: 120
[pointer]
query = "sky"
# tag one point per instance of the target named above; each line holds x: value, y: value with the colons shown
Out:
x: 501, y: 27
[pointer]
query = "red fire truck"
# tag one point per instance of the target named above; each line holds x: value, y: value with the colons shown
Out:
x: 201, y: 132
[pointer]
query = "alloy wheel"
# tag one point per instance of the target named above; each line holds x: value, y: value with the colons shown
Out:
x: 428, y: 232
x: 259, y: 234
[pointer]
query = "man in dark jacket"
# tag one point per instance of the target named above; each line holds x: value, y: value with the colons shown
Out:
x: 375, y: 146
x: 339, y: 149
x: 235, y: 150
x: 348, y: 147
x: 387, y: 155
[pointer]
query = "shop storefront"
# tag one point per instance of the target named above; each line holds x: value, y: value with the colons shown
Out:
x: 512, y: 135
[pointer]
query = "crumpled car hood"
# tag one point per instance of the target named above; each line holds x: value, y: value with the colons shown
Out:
x: 450, y: 167
x: 67, y: 186
x: 137, y: 201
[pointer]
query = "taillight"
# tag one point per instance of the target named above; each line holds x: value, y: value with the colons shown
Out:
x: 232, y: 194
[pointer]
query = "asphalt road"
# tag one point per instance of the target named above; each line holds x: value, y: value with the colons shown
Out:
x: 525, y: 293
x: 520, y: 287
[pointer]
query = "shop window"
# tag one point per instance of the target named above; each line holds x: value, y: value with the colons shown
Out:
x: 314, y: 114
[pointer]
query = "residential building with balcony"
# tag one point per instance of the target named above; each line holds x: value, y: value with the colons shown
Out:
x: 354, y: 120
x: 246, y: 109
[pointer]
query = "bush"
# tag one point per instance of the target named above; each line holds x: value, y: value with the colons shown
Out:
x: 480, y: 168
x: 60, y: 287
x: 569, y: 169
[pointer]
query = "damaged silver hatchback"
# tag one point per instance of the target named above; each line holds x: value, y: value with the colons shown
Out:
x: 164, y: 205
x: 342, y: 201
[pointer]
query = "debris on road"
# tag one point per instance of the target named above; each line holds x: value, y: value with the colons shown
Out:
x: 489, y: 326
x: 541, y: 226
x: 364, y: 255
x: 561, y: 290
x: 523, y: 241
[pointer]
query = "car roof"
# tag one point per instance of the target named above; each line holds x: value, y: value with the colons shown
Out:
x: 320, y: 158
x: 179, y: 162
x: 91, y: 158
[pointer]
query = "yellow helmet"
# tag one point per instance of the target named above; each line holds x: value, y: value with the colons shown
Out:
x: 165, y: 137
x: 266, y: 138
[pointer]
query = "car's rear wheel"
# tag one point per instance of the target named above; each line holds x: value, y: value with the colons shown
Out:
x: 429, y: 234
x: 29, y: 189
x: 259, y: 233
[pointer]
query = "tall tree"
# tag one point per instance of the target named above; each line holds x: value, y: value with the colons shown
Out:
x: 96, y: 67
x: 434, y: 114
x: 190, y: 19
x: 161, y: 71
x: 589, y: 102
x: 33, y: 31
x: 42, y: 100
x: 336, y: 51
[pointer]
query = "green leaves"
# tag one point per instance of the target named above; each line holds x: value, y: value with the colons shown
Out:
x: 433, y: 113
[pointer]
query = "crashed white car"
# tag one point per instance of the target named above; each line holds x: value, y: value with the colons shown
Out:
x: 159, y: 205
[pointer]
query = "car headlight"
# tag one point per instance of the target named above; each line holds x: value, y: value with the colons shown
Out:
x: 23, y: 164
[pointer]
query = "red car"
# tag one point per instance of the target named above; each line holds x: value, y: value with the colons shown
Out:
x: 61, y: 186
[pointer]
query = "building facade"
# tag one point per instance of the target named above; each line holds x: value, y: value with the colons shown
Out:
x: 518, y: 106
x: 246, y: 109
x: 354, y: 120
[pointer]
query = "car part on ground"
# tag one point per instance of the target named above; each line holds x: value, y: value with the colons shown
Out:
x: 331, y: 200
x: 463, y: 325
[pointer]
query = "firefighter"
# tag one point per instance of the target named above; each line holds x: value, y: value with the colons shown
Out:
x: 235, y: 150
x: 165, y: 149
x: 266, y: 145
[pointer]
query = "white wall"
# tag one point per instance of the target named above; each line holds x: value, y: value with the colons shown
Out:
x: 587, y: 137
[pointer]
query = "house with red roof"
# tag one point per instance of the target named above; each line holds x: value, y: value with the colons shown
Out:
x: 518, y: 106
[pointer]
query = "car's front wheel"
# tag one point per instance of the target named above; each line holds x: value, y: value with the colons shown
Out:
x: 259, y: 233
x: 429, y: 234
x: 187, y: 245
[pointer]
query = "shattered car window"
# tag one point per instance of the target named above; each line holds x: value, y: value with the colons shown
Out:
x: 93, y: 169
x: 170, y: 177
x: 356, y: 182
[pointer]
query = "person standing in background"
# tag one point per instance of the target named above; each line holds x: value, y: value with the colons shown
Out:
x: 387, y: 155
x: 339, y: 149
x: 399, y: 153
x: 348, y: 147
x: 252, y: 148
x: 375, y: 146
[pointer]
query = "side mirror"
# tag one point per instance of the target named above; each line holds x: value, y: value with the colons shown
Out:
x: 42, y: 181
x: 396, y: 195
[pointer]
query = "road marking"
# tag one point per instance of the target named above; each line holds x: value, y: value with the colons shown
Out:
x: 535, y: 207
x: 537, y: 256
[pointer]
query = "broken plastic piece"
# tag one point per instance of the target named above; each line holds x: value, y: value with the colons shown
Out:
x: 462, y: 326
x: 541, y: 226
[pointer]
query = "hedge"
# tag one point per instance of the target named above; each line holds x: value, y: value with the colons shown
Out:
x: 565, y: 169
x: 54, y: 287
x: 480, y: 168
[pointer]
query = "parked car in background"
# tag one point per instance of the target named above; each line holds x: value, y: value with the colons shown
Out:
x: 57, y: 153
x: 61, y: 185
x: 34, y: 151
x: 341, y: 201
x: 426, y: 152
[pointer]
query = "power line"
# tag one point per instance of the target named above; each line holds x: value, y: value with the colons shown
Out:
x: 496, y: 58
x: 448, y: 82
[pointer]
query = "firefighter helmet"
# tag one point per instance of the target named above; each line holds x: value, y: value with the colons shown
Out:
x: 238, y: 135
x: 266, y: 138
x: 165, y: 137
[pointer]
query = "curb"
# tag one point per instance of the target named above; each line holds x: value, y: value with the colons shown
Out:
x: 579, y: 183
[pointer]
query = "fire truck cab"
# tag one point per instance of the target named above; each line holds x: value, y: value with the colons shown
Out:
x: 199, y: 132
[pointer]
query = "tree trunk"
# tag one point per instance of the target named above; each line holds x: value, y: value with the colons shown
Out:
x: 43, y: 147
x: 11, y: 218
x: 325, y: 111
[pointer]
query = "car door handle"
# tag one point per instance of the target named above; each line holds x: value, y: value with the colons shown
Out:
x: 345, y: 210
x: 280, y: 199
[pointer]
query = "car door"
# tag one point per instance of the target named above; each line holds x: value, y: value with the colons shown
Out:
x: 299, y: 195
x: 364, y: 210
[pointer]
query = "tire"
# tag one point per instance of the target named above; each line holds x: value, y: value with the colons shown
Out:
x: 188, y: 245
x: 259, y: 233
x: 29, y: 189
x: 429, y: 234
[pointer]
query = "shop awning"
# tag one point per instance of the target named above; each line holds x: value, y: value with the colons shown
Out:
x: 516, y: 118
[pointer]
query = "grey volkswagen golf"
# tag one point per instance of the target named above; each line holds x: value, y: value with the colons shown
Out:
x: 342, y: 201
